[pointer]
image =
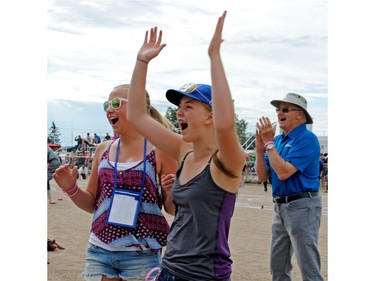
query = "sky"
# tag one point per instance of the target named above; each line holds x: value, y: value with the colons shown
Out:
x: 57, y: 52
x: 270, y: 48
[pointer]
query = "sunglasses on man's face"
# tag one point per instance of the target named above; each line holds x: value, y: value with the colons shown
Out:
x: 114, y: 103
x: 286, y: 110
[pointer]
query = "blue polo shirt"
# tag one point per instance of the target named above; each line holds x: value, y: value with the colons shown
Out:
x: 300, y: 148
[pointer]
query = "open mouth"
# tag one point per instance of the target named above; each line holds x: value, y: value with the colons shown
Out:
x: 183, y: 125
x: 113, y: 121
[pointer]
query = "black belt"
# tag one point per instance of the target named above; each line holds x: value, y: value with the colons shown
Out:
x: 286, y: 199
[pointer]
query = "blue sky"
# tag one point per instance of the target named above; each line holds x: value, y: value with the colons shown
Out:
x: 271, y: 48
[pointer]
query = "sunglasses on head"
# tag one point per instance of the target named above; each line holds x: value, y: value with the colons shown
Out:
x: 114, y: 103
x: 286, y: 110
x: 191, y: 87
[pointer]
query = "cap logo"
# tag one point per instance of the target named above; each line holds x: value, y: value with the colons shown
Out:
x: 189, y: 87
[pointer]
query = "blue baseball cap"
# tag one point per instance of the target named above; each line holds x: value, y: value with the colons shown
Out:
x: 200, y: 92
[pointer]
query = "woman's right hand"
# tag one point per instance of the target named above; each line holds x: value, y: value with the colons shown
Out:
x: 65, y: 177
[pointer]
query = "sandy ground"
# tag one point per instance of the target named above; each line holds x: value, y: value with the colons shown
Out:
x: 249, y: 236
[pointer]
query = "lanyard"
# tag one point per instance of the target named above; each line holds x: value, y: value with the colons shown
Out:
x: 144, y: 165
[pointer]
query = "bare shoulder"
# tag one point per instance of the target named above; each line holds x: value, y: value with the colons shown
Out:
x: 101, y: 148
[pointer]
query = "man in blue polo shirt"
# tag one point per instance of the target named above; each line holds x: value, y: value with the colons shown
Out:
x: 292, y: 161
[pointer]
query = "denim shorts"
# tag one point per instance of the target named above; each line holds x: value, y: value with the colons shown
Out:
x: 128, y: 265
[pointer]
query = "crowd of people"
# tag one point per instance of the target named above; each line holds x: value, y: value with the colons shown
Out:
x: 90, y: 142
x: 193, y: 175
x: 324, y: 171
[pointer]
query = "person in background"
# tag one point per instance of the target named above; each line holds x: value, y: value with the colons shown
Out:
x: 265, y: 184
x: 88, y: 161
x: 324, y: 173
x: 97, y: 139
x: 79, y: 145
x: 245, y: 172
x: 87, y: 142
x: 292, y: 161
x: 53, y: 162
x: 83, y: 171
x: 107, y: 137
x: 128, y: 169
x: 211, y: 161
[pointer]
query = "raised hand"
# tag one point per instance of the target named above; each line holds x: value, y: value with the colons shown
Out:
x: 259, y: 143
x: 216, y: 40
x: 265, y: 129
x: 151, y: 46
x: 65, y: 177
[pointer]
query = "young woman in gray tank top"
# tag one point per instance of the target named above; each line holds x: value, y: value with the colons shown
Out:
x: 211, y: 161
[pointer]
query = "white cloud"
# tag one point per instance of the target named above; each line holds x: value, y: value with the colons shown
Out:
x: 271, y: 48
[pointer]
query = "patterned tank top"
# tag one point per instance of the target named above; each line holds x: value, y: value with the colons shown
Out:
x: 152, y: 227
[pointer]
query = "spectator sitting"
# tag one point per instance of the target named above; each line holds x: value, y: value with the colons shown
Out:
x: 79, y: 141
x: 97, y: 139
x: 87, y: 141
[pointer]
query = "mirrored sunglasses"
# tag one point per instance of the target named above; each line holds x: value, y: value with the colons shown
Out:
x: 114, y: 103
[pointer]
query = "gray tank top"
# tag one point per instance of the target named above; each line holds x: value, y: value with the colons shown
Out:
x: 197, y: 245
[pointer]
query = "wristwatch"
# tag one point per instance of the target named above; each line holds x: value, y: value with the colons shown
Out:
x: 270, y: 146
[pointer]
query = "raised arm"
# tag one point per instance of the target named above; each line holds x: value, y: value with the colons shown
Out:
x: 160, y: 136
x: 231, y: 153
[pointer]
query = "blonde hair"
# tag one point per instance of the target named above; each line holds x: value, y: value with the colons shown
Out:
x: 152, y: 111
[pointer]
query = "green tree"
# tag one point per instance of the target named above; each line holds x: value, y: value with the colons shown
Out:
x: 171, y: 116
x: 54, y: 133
x: 241, y: 126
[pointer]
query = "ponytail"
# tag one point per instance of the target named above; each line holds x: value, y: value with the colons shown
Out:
x: 154, y: 113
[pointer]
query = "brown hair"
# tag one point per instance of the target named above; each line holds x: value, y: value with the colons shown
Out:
x: 152, y: 111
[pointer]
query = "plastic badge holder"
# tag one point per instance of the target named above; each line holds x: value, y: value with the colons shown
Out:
x: 125, y: 204
x: 124, y: 208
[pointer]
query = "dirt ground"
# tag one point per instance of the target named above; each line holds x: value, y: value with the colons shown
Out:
x: 250, y: 236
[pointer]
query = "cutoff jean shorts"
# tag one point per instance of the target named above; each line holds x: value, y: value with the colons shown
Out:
x: 127, y: 265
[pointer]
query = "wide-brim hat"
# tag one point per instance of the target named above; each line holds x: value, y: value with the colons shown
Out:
x: 200, y: 92
x: 298, y: 100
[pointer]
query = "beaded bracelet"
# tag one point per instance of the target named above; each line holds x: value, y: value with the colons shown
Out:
x: 71, y: 191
